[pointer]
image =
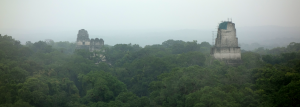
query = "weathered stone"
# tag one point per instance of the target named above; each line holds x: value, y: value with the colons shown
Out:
x: 226, y: 44
x: 83, y: 40
x: 93, y: 45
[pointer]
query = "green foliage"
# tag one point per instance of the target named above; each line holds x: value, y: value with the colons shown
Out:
x: 64, y: 47
x: 278, y: 85
x: 210, y: 97
x: 251, y: 59
x: 190, y: 59
x: 118, y: 51
x: 101, y: 86
x: 281, y: 58
x: 34, y: 91
x: 41, y: 47
x: 178, y: 46
x: 292, y: 47
x: 83, y: 53
x: 172, y: 74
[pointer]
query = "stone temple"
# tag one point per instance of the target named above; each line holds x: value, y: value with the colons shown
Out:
x: 226, y: 44
x: 96, y: 46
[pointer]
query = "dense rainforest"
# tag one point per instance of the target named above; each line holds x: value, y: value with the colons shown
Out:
x: 172, y: 74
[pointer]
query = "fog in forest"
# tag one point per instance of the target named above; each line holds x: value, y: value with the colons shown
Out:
x: 149, y: 53
x: 270, y: 23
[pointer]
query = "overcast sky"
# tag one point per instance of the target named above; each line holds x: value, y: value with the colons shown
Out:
x: 41, y: 18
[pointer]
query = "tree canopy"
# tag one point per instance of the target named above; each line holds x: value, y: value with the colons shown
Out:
x: 172, y: 74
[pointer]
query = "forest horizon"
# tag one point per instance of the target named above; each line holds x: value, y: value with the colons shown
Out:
x: 173, y: 73
x: 149, y: 53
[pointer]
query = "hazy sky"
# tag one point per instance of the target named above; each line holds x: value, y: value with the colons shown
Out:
x: 40, y: 18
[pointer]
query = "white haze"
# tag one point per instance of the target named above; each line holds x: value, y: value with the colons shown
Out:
x: 148, y: 22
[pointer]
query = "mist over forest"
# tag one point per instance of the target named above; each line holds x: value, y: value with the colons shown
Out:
x: 250, y: 38
x: 158, y: 53
x: 173, y: 73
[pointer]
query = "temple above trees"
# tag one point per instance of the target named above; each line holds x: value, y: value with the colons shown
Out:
x: 96, y: 46
x: 226, y: 44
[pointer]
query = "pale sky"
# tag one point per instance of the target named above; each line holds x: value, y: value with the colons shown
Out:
x: 20, y: 18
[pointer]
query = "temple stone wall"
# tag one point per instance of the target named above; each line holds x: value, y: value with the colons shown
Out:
x: 83, y: 42
x: 227, y: 53
x: 92, y: 45
x: 227, y: 37
x: 226, y: 44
